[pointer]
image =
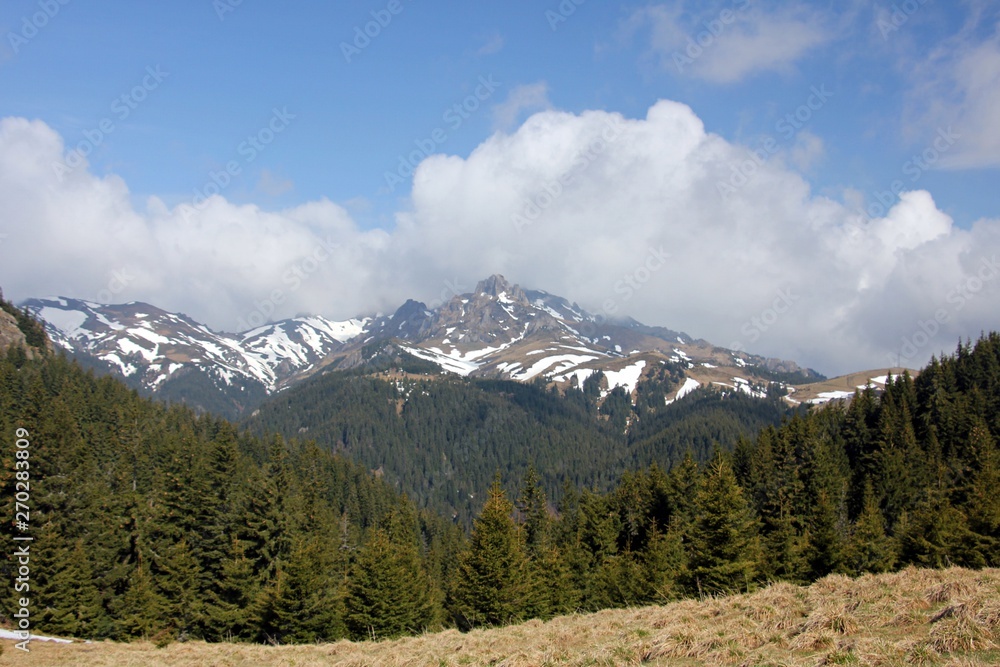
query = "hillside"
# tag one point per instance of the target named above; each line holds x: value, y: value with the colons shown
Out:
x: 440, y: 439
x: 914, y: 617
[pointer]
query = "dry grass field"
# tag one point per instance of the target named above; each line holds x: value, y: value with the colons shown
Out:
x: 915, y: 617
x: 806, y: 392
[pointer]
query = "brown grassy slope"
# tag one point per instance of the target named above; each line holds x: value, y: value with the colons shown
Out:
x: 915, y: 617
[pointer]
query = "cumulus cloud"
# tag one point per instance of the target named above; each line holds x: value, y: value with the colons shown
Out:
x: 79, y: 235
x: 572, y: 203
x: 576, y: 203
x: 727, y: 42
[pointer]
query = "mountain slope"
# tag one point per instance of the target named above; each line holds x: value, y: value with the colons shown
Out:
x: 502, y: 330
x: 499, y: 330
x: 173, y: 356
x: 441, y: 438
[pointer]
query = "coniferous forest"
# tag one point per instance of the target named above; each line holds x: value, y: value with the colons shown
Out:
x: 153, y: 522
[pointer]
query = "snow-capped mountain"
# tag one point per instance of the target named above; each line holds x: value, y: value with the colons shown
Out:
x: 503, y: 330
x: 498, y: 330
x: 170, y: 353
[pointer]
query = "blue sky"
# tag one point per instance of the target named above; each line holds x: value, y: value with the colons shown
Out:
x: 885, y: 81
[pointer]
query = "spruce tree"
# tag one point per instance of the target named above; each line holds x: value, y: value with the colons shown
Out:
x: 301, y: 603
x: 664, y: 565
x: 869, y: 548
x: 532, y: 506
x: 983, y: 505
x: 492, y: 587
x: 388, y: 592
x: 724, y: 552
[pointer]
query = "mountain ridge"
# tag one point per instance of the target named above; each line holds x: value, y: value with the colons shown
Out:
x: 499, y: 330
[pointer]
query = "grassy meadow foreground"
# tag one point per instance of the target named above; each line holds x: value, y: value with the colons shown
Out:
x: 913, y: 617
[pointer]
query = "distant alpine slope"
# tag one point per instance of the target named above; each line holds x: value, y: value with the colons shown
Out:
x: 498, y: 330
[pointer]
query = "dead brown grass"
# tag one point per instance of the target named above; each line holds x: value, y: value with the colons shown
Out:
x: 947, y: 618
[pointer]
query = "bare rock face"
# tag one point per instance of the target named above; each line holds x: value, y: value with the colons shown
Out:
x: 9, y: 333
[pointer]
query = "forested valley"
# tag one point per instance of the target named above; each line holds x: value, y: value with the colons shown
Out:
x: 150, y: 521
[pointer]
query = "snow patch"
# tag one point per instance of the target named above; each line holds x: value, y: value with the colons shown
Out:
x: 19, y: 636
x: 66, y: 321
x: 827, y: 396
x: 627, y: 377
x: 149, y: 335
x: 690, y: 384
x: 581, y: 375
x: 128, y: 347
x: 568, y: 361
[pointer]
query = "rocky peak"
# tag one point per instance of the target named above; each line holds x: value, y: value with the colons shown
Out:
x: 497, y: 287
x: 493, y: 286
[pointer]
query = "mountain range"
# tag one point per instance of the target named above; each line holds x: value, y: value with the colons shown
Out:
x: 499, y: 330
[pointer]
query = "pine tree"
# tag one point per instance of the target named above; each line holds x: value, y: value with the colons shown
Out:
x: 302, y: 604
x: 532, y: 506
x: 388, y: 592
x: 983, y: 505
x: 553, y: 592
x: 869, y: 548
x: 619, y: 581
x: 826, y: 479
x: 179, y: 582
x: 492, y: 574
x: 142, y: 611
x: 665, y: 566
x: 724, y: 552
x: 74, y: 605
x: 937, y: 534
x: 230, y: 613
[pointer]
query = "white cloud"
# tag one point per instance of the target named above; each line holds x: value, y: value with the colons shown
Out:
x: 527, y: 97
x: 73, y: 236
x: 606, y: 191
x: 728, y: 42
x: 654, y: 187
x: 958, y: 85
